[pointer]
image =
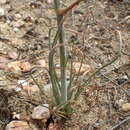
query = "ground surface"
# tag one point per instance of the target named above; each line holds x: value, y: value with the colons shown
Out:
x: 96, y: 28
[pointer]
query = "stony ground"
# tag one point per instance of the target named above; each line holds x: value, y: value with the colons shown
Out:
x: 95, y: 30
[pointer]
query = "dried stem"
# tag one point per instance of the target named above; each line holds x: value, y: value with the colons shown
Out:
x: 119, y: 124
x: 67, y: 9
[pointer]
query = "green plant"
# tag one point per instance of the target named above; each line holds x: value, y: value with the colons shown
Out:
x: 63, y: 92
x: 60, y: 88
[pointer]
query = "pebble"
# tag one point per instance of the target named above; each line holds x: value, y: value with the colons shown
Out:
x: 81, y: 68
x: 18, y: 125
x: 126, y: 107
x: 3, y: 1
x: 19, y: 24
x: 2, y: 12
x: 41, y: 112
x: 18, y: 16
x: 15, y: 29
x: 23, y: 83
x: 41, y: 63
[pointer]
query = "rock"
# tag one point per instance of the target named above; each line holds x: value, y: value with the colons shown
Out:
x: 49, y: 1
x: 126, y: 107
x: 29, y: 90
x: 53, y: 126
x: 14, y: 67
x: 12, y: 55
x: 15, y: 115
x: 84, y: 68
x: 25, y: 66
x: 29, y: 19
x: 78, y: 12
x: 41, y: 63
x: 3, y: 83
x: 18, y: 125
x: 126, y: 1
x: 21, y: 116
x: 3, y: 60
x: 16, y: 42
x: 41, y: 112
x: 119, y: 102
x: 17, y: 89
x: 19, y: 24
x: 4, y: 28
x: 3, y: 1
x: 2, y: 12
x: 23, y: 83
x: 17, y: 67
x: 3, y: 66
x: 18, y: 16
x: 15, y: 29
x: 128, y: 21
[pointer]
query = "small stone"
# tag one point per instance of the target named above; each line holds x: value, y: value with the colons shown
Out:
x: 16, y: 42
x: 126, y: 107
x: 126, y: 1
x: 29, y: 19
x: 128, y: 21
x: 15, y: 115
x: 41, y: 112
x: 77, y: 12
x: 3, y: 83
x: 120, y: 102
x: 17, y: 89
x: 53, y: 126
x: 3, y: 60
x: 2, y: 12
x: 8, y: 21
x: 121, y: 80
x: 3, y: 1
x: 15, y: 29
x: 23, y: 83
x: 29, y: 90
x: 19, y: 24
x: 3, y: 66
x: 46, y: 38
x: 21, y: 116
x: 41, y: 63
x: 18, y: 125
x: 49, y: 1
x: 14, y: 67
x: 25, y: 66
x: 12, y: 55
x: 81, y: 68
x: 18, y: 16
